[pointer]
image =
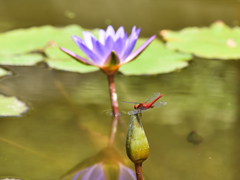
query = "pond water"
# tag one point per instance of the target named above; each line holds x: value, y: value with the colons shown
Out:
x: 68, y: 122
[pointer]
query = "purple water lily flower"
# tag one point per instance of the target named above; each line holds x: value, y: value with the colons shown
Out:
x: 111, y: 50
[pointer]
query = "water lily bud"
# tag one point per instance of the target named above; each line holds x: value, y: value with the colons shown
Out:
x: 136, y: 143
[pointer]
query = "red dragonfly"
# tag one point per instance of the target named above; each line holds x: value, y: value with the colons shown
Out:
x: 146, y: 105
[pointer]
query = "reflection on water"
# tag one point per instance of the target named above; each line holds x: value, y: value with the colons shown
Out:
x: 66, y: 125
x: 106, y: 164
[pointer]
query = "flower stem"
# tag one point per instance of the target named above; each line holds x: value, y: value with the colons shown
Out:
x: 138, y: 168
x: 115, y: 110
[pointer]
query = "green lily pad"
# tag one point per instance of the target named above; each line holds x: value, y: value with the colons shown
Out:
x: 46, y: 39
x: 16, y: 46
x: 35, y: 38
x: 11, y: 106
x: 218, y: 41
x: 21, y: 60
x: 69, y: 64
x: 4, y: 72
x: 155, y: 59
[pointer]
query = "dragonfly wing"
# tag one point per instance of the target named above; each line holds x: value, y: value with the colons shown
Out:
x: 144, y: 110
x: 135, y: 111
x: 158, y: 104
x: 130, y: 102
x: 154, y: 96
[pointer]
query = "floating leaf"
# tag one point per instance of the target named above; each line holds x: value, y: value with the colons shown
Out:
x: 35, y: 38
x: 21, y: 60
x: 4, y: 72
x: 155, y: 59
x: 16, y: 45
x: 45, y: 39
x: 11, y: 106
x: 218, y: 41
x: 69, y: 64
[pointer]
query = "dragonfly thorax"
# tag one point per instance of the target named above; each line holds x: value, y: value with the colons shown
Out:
x: 142, y: 106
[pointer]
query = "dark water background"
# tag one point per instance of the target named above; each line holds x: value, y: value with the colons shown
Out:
x: 66, y: 122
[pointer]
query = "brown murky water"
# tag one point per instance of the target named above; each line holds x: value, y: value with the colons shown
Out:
x: 67, y: 123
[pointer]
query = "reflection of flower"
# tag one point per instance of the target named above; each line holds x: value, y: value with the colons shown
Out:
x: 107, y: 164
x: 111, y: 50
x: 92, y: 172
x: 126, y: 173
x: 96, y: 172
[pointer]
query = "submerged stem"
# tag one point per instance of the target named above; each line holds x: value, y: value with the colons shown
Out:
x: 115, y: 110
x: 138, y: 168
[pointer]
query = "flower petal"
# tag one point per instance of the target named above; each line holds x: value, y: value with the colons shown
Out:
x: 138, y: 31
x: 125, y: 43
x: 130, y: 41
x: 139, y: 50
x: 109, y: 45
x: 110, y: 32
x: 102, y: 36
x: 75, y: 56
x: 133, y: 29
x: 120, y: 33
x: 99, y: 49
x: 118, y: 46
x: 128, y: 49
x: 77, y: 40
x: 88, y: 39
x: 132, y: 37
x: 90, y: 54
